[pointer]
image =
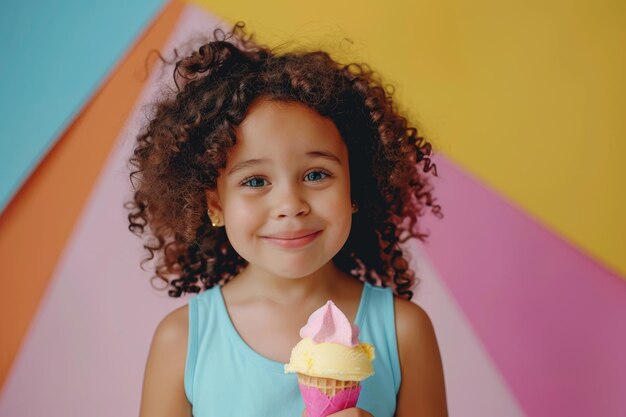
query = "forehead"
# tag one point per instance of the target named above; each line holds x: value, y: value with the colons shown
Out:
x: 275, y: 126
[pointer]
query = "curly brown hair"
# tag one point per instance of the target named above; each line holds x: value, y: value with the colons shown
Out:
x: 180, y: 151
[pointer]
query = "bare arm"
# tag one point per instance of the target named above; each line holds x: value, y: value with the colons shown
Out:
x: 422, y: 389
x: 163, y: 392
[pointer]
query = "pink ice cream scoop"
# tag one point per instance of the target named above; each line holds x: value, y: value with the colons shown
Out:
x: 328, y: 324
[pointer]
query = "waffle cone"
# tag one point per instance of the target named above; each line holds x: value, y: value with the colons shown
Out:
x: 328, y: 386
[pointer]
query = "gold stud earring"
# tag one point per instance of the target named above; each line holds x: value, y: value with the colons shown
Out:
x: 214, y: 223
x: 355, y: 207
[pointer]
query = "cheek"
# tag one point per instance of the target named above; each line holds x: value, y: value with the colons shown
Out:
x: 338, y: 209
x: 241, y: 215
x: 340, y: 198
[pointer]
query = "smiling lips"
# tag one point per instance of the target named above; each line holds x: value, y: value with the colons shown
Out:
x: 295, y: 239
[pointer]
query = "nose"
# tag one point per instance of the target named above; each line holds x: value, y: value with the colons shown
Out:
x: 289, y: 202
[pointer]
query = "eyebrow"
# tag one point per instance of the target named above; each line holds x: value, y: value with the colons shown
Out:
x: 312, y: 154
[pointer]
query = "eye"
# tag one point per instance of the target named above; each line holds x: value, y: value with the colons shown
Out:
x: 258, y: 182
x: 315, y: 176
x: 253, y: 182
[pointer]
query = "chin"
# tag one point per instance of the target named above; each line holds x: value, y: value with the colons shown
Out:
x: 294, y: 271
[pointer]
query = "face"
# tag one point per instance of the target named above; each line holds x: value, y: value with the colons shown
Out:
x: 285, y: 193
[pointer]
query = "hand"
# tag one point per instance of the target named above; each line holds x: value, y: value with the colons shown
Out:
x: 348, y: 412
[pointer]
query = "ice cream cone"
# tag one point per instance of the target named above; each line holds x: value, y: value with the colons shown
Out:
x: 330, y: 362
x: 325, y: 396
x: 328, y: 386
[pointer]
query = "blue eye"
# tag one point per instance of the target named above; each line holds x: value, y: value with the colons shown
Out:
x: 258, y: 182
x: 315, y: 176
x: 254, y: 182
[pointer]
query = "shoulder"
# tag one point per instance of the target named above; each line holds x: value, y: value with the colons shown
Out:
x: 173, y: 328
x: 422, y: 388
x: 414, y: 332
x: 163, y: 388
x: 412, y: 321
x: 170, y: 339
x: 168, y: 351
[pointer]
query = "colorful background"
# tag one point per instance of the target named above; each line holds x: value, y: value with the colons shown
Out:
x: 524, y: 278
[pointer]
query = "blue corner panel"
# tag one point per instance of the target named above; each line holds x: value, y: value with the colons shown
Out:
x: 54, y: 55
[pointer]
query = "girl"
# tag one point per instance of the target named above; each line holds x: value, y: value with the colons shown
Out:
x: 276, y: 182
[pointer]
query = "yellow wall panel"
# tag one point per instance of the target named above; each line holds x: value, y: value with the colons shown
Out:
x: 530, y: 97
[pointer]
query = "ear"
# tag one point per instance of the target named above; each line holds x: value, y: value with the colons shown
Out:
x: 213, y: 201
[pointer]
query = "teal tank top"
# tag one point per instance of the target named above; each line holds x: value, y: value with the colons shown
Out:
x: 226, y: 377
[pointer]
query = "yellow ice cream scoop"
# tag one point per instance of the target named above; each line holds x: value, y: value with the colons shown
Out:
x: 332, y: 360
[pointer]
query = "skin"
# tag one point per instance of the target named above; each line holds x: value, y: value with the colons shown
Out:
x: 302, y: 182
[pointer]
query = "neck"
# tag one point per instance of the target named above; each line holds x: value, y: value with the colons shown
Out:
x: 260, y: 283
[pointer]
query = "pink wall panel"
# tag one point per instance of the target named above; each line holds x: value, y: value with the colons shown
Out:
x: 551, y: 318
x: 474, y: 385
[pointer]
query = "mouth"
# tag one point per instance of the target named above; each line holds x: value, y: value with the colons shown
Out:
x: 293, y: 239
